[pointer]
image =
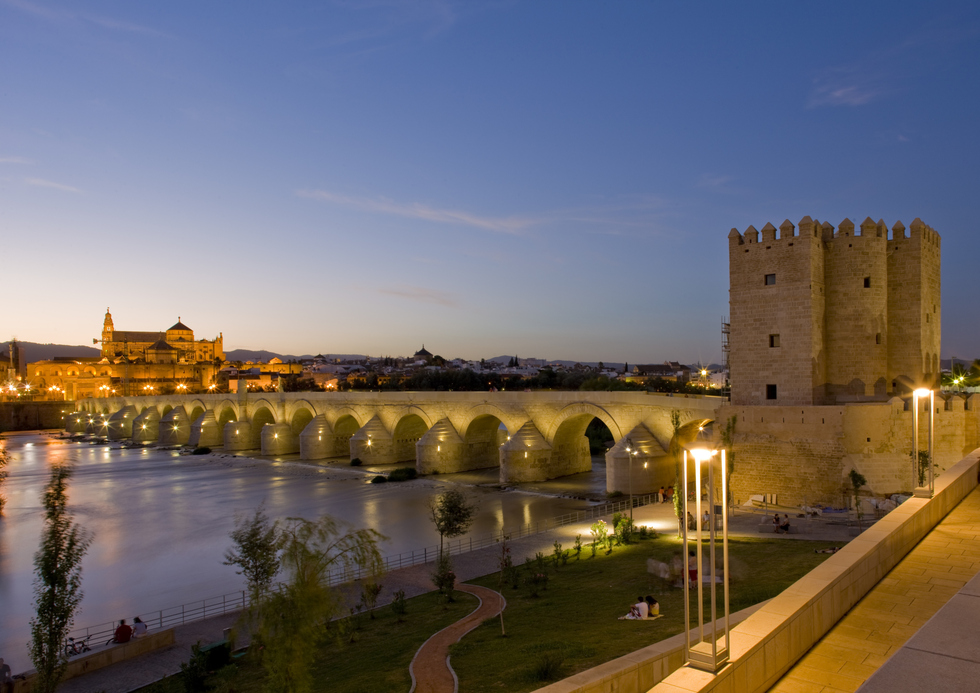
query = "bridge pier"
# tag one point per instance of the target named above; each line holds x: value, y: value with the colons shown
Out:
x: 373, y: 444
x: 146, y: 426
x: 97, y: 425
x: 175, y: 429
x: 76, y: 422
x: 238, y: 436
x: 121, y: 423
x: 316, y: 442
x: 525, y: 457
x: 279, y: 439
x: 651, y: 468
x: 441, y: 450
x: 205, y: 432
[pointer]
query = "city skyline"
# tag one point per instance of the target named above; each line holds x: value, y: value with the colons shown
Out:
x: 552, y: 180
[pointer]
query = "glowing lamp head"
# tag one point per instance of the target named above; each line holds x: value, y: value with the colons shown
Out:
x: 702, y: 454
x: 922, y: 392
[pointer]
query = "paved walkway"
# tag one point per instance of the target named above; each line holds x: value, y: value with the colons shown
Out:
x: 898, y: 606
x: 430, y: 668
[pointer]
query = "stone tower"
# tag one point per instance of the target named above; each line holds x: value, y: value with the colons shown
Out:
x: 824, y: 316
x: 107, y: 327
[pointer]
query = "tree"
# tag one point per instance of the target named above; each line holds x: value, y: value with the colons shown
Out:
x: 290, y: 619
x: 256, y: 551
x: 452, y: 514
x: 57, y: 583
x: 3, y: 476
x: 675, y: 452
x: 857, y: 481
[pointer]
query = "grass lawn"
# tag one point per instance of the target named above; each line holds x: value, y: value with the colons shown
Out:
x: 573, y: 625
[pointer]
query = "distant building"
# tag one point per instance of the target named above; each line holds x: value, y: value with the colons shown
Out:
x: 175, y: 345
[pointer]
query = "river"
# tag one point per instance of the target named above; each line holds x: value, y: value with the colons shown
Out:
x: 160, y: 521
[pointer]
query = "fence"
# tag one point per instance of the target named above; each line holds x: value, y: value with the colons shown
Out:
x: 234, y: 601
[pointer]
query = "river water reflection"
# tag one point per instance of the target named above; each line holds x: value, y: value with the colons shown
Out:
x: 160, y: 521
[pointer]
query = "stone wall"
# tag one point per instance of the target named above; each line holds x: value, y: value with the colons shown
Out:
x: 32, y: 416
x: 804, y: 453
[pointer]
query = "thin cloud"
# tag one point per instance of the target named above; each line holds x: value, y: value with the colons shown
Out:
x: 417, y: 210
x: 844, y: 90
x: 420, y: 294
x: 14, y: 160
x: 41, y: 183
x: 57, y: 15
x: 709, y: 181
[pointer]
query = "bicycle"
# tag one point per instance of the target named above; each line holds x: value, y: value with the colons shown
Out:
x: 77, y: 647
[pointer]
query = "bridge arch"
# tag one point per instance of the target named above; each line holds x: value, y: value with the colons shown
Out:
x: 262, y: 414
x: 411, y: 425
x: 482, y: 440
x: 570, y: 453
x: 227, y: 412
x: 263, y: 403
x: 478, y: 412
x: 301, y: 417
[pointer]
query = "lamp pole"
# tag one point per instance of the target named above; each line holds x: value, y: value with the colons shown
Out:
x: 927, y: 490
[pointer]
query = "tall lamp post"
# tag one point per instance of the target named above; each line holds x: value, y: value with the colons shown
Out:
x: 711, y: 651
x: 924, y: 491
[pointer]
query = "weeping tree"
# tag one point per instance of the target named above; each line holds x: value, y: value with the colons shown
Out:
x: 57, y: 583
x: 289, y: 620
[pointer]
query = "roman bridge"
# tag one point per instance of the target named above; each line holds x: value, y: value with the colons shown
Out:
x: 530, y: 436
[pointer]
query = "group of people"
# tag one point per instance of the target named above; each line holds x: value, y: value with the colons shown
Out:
x: 645, y: 608
x: 665, y: 495
x: 125, y: 633
x: 780, y: 526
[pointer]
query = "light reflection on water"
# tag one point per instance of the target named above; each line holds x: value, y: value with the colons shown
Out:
x: 161, y: 522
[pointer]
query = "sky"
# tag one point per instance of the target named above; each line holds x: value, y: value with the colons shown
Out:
x: 547, y: 179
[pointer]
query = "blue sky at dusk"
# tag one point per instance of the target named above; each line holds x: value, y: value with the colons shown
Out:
x: 552, y: 179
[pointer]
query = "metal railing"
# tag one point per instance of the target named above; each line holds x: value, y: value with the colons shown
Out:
x: 234, y: 601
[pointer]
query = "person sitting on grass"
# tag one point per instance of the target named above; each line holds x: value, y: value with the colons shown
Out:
x: 653, y: 606
x: 638, y: 611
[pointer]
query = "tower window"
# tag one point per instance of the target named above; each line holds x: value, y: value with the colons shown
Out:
x: 773, y: 340
x: 878, y: 338
x: 770, y: 279
x: 770, y: 392
x: 867, y: 282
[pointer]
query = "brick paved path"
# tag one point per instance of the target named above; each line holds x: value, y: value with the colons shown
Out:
x: 430, y: 669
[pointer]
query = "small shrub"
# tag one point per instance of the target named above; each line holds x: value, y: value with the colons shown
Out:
x: 548, y: 666
x: 556, y: 555
x: 356, y: 462
x: 624, y: 530
x: 614, y: 494
x: 535, y: 582
x: 403, y: 474
x: 379, y: 479
x: 398, y: 604
x: 540, y: 562
x: 194, y: 671
x: 369, y: 596
x: 578, y: 546
x: 444, y: 578
x: 201, y: 451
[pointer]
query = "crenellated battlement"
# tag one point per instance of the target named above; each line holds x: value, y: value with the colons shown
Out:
x: 826, y: 231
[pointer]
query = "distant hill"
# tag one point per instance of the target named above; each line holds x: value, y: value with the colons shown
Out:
x: 33, y: 351
x: 260, y: 355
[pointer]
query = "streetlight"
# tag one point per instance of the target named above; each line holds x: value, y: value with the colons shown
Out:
x: 922, y: 491
x: 711, y: 652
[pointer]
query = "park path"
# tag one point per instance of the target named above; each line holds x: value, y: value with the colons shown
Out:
x: 430, y: 669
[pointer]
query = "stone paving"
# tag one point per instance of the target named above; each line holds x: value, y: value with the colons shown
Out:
x: 895, y: 609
